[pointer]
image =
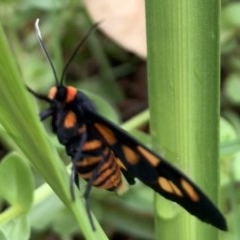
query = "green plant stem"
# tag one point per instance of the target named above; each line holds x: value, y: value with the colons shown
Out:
x: 136, y: 121
x: 183, y: 72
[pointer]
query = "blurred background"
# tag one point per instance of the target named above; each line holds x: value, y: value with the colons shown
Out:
x: 111, y: 69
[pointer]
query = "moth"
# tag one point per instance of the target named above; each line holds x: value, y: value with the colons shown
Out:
x: 102, y: 153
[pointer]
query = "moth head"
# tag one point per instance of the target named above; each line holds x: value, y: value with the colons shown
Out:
x: 58, y: 94
x: 62, y: 94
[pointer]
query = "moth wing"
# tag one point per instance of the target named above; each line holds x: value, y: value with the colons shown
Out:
x: 138, y: 161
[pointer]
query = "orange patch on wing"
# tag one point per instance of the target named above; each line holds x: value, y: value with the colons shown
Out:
x: 52, y: 92
x: 165, y: 184
x: 131, y: 156
x: 151, y: 158
x: 189, y: 189
x: 70, y: 120
x: 176, y: 190
x: 169, y: 186
x: 92, y: 145
x: 71, y: 94
x: 107, y: 133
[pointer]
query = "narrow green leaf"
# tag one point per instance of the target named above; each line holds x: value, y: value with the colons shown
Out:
x: 21, y: 122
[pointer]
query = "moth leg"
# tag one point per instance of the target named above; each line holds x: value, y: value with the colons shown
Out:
x: 88, y: 190
x: 73, y: 179
x: 74, y: 174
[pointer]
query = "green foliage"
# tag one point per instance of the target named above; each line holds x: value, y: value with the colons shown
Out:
x: 3, y: 235
x: 230, y: 15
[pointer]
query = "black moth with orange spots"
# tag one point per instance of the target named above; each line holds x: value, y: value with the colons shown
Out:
x: 102, y: 153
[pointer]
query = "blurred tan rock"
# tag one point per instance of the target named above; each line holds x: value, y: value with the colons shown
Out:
x: 123, y: 22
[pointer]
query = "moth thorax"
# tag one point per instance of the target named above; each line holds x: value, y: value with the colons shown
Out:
x: 63, y: 94
x: 71, y: 94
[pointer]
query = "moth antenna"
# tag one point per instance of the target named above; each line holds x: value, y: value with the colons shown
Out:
x: 80, y: 44
x: 39, y: 36
x: 38, y: 95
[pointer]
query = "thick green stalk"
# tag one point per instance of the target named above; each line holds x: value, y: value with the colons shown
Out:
x: 183, y: 72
